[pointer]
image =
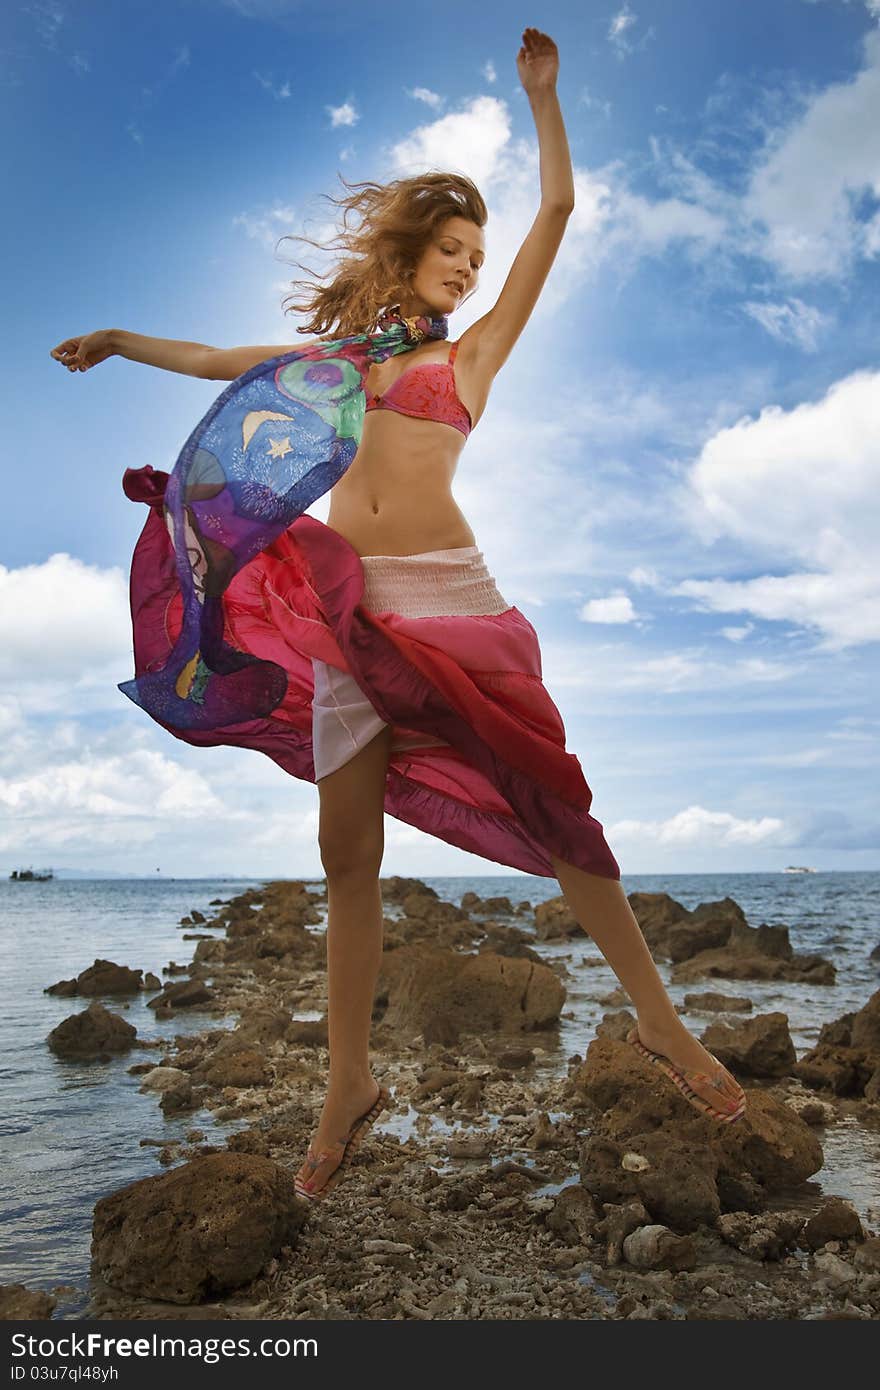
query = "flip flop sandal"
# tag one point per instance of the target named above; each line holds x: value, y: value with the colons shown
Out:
x: 682, y: 1077
x: 346, y: 1147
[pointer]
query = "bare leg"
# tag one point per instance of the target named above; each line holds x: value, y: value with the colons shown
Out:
x: 600, y: 905
x: 352, y: 843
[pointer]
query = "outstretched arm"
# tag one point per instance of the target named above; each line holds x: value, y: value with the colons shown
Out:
x: 171, y: 354
x: 498, y: 330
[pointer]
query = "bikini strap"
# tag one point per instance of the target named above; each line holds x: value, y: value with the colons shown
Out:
x: 454, y: 350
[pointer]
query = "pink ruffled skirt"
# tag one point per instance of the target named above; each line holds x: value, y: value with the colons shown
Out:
x: 424, y: 643
x: 432, y: 583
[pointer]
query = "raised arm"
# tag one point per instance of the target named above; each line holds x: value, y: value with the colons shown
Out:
x: 496, y: 332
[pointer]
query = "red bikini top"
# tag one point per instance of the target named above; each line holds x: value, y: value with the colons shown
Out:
x: 428, y: 392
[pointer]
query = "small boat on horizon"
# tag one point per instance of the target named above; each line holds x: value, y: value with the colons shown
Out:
x: 799, y: 869
x: 32, y: 875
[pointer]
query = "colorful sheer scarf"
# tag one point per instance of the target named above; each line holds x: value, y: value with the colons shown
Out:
x: 278, y: 438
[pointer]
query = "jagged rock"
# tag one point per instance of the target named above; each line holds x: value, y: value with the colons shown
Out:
x: 717, y: 1003
x: 687, y: 939
x: 197, y: 916
x: 311, y: 1032
x: 760, y: 1046
x: 616, y: 1225
x: 163, y: 1079
x: 151, y: 981
x: 554, y: 921
x: 836, y: 1219
x: 574, y: 1216
x: 441, y: 995
x: 198, y: 1230
x: 182, y: 995
x: 655, y: 914
x: 732, y: 962
x: 239, y: 1069
x: 677, y: 1188
x: 694, y: 1163
x: 866, y: 1025
x: 656, y: 1247
x: 20, y: 1304
x: 91, y: 1033
x: 843, y: 1070
x: 766, y: 1236
x: 103, y: 977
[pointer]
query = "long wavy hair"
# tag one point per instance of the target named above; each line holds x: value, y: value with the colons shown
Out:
x: 396, y: 223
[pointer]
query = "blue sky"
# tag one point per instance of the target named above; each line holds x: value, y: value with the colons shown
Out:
x: 688, y: 512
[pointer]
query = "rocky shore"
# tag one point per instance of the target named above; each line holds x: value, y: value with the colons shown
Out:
x: 501, y: 1186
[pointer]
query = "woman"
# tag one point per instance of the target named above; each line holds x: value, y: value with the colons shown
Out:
x: 375, y: 655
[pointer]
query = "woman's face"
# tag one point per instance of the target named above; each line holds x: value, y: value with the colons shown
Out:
x: 449, y: 268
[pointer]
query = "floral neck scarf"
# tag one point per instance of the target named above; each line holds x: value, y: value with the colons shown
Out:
x: 279, y: 437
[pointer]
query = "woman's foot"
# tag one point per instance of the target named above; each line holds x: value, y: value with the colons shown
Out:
x: 702, y: 1073
x: 343, y: 1107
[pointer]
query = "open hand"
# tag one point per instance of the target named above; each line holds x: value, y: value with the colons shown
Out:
x: 78, y: 354
x: 537, y: 61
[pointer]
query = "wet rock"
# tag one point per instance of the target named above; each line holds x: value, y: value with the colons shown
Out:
x: 677, y: 1188
x: 710, y: 1002
x: 182, y: 995
x: 760, y: 1046
x: 515, y: 1058
x: 310, y: 1032
x: 693, y: 1161
x: 734, y: 963
x: 199, y: 1230
x: 833, y: 1271
x: 867, y: 1256
x: 240, y: 1069
x: 66, y: 989
x: 866, y: 1026
x: 197, y: 916
x: 836, y: 1219
x: 18, y: 1303
x: 687, y: 939
x: 574, y: 1215
x: 656, y: 1247
x: 442, y: 995
x: 103, y: 977
x: 151, y: 981
x: 92, y: 1033
x: 844, y: 1070
x: 655, y: 914
x: 555, y: 921
x: 163, y: 1079
x: 617, y: 1223
x: 766, y: 1236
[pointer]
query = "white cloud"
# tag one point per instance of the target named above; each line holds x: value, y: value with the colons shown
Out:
x: 426, y: 95
x: 791, y: 322
x: 280, y: 93
x: 621, y: 33
x: 489, y: 71
x: 470, y: 140
x: 697, y: 827
x: 800, y: 486
x: 616, y: 608
x: 62, y: 620
x: 346, y: 114
x: 594, y: 103
x: 805, y: 191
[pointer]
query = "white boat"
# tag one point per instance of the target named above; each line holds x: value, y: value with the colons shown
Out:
x: 798, y: 869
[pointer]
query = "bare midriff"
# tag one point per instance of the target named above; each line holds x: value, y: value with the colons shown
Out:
x: 395, y: 498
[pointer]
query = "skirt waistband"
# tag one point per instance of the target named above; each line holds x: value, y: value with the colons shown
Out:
x: 433, y: 583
